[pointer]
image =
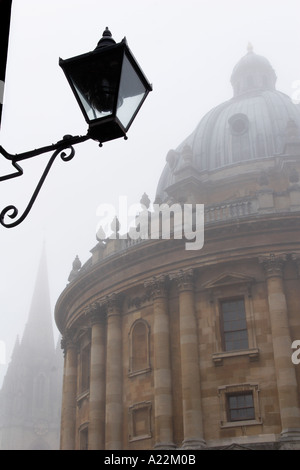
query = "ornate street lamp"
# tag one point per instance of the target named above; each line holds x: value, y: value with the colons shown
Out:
x: 109, y: 86
x: 110, y: 89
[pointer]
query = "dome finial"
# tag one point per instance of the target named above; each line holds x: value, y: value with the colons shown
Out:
x: 249, y: 47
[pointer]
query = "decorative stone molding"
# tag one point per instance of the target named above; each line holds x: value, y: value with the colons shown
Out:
x: 184, y: 279
x: 157, y: 286
x: 140, y: 421
x: 273, y: 264
x: 229, y: 278
x: 296, y: 258
x: 252, y: 353
x: 138, y: 301
x: 95, y: 313
x: 68, y: 341
x: 224, y: 390
x: 112, y: 303
x: 76, y: 266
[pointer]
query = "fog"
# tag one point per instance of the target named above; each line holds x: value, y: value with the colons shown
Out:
x: 187, y: 49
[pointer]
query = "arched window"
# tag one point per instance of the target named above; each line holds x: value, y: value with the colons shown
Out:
x: 139, y: 360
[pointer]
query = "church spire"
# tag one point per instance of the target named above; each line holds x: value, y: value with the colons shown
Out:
x: 38, y: 333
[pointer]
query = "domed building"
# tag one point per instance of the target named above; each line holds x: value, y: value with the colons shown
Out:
x: 174, y: 348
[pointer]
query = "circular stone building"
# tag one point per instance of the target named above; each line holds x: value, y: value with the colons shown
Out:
x: 175, y: 348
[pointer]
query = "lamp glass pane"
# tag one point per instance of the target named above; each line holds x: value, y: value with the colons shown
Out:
x: 91, y: 111
x: 95, y: 82
x: 131, y: 93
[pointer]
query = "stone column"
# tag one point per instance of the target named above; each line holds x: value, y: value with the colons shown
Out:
x: 190, y: 371
x: 68, y: 411
x: 285, y: 370
x: 163, y: 401
x: 296, y: 258
x: 96, y: 435
x: 114, y: 375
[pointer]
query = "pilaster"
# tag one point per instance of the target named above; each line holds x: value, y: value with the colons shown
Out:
x: 68, y: 412
x: 163, y: 404
x: 191, y: 389
x: 96, y: 435
x: 114, y: 373
x: 285, y: 370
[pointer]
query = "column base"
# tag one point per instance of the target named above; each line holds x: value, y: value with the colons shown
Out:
x: 193, y: 444
x: 290, y: 439
x: 165, y: 446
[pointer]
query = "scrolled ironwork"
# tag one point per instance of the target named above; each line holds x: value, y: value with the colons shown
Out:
x: 64, y: 148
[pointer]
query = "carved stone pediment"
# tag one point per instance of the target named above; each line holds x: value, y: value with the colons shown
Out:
x: 228, y: 278
x: 235, y: 446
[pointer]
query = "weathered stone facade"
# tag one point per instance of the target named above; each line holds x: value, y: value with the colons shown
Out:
x: 148, y: 358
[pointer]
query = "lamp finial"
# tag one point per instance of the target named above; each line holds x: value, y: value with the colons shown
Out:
x: 106, y: 39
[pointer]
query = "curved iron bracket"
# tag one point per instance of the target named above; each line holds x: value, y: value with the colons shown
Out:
x: 60, y: 148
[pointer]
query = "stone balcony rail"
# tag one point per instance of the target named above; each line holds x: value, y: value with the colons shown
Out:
x: 262, y: 203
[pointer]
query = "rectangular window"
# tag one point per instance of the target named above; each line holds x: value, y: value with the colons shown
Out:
x: 240, y: 407
x: 234, y: 325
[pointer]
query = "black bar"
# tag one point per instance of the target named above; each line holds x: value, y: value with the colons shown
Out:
x: 5, y: 16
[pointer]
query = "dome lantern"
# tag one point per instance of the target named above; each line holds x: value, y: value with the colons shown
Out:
x: 253, y: 72
x: 251, y: 126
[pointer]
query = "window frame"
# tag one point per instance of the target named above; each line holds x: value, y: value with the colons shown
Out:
x: 132, y: 371
x: 222, y: 321
x: 226, y: 286
x: 136, y: 407
x: 226, y: 391
x: 230, y: 409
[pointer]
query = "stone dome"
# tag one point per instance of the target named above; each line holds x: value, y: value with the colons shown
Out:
x: 252, y: 125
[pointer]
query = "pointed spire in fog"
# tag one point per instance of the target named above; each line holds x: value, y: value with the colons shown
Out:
x: 38, y: 331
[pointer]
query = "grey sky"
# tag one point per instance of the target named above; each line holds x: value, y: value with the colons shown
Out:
x: 186, y: 48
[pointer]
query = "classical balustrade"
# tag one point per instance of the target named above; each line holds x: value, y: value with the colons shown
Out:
x: 213, y: 215
x: 229, y: 211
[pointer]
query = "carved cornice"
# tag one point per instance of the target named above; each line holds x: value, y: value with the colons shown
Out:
x: 138, y: 301
x: 157, y: 286
x: 273, y: 264
x: 184, y: 279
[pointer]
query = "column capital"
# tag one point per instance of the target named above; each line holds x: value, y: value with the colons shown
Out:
x: 296, y: 259
x: 273, y: 264
x: 95, y: 312
x: 68, y: 341
x: 157, y: 285
x: 112, y: 303
x: 184, y: 279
